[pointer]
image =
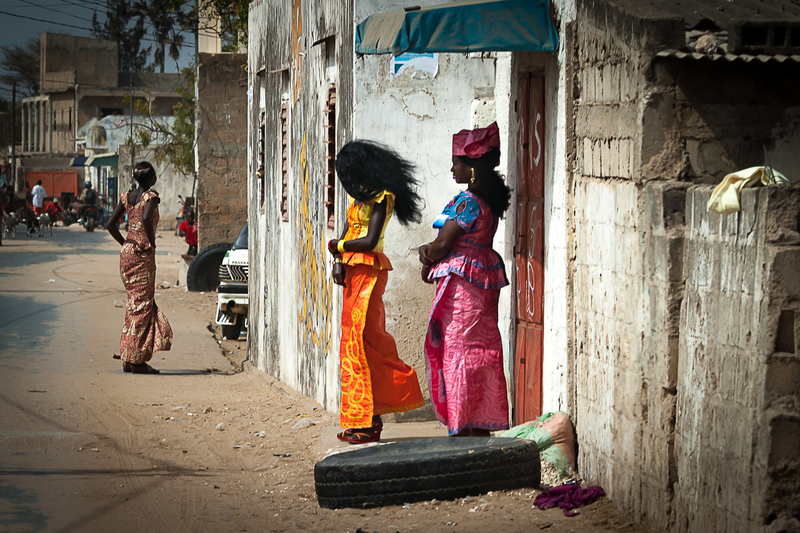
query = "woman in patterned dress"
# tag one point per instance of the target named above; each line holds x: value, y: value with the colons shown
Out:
x: 463, y: 349
x: 374, y: 378
x: 146, y: 329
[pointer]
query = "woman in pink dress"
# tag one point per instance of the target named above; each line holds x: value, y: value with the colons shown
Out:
x: 463, y: 349
x: 146, y: 329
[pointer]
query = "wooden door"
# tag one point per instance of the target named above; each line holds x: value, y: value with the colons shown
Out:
x: 529, y: 249
x: 54, y: 182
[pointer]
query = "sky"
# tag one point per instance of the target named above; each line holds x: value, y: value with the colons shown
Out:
x: 73, y: 17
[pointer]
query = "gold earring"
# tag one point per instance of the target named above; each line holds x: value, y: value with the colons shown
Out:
x: 472, y: 179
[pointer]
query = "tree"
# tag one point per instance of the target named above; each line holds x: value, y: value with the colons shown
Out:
x: 21, y: 63
x: 231, y: 15
x: 117, y: 27
x: 175, y: 143
x: 165, y: 19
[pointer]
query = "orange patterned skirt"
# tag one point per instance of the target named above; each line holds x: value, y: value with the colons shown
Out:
x: 146, y: 329
x: 374, y: 378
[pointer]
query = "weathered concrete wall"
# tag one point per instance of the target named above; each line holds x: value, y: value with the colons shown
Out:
x: 94, y: 61
x: 738, y: 426
x: 622, y: 277
x: 650, y: 429
x: 706, y: 119
x: 294, y: 305
x: 221, y: 126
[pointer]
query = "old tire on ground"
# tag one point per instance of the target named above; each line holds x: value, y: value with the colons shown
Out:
x: 232, y: 332
x: 203, y: 273
x: 417, y: 470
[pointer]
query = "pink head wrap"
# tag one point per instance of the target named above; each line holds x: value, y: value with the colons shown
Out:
x: 477, y: 142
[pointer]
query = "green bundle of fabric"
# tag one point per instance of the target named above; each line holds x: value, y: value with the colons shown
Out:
x: 553, y: 434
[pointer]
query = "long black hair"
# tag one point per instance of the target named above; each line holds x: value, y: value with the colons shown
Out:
x: 366, y: 169
x: 498, y: 194
x: 144, y: 170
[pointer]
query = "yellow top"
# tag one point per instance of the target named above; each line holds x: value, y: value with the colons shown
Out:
x: 358, y: 216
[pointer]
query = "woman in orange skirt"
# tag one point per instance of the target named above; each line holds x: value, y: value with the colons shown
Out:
x: 374, y: 378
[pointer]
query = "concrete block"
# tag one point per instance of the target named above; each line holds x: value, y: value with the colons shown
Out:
x: 587, y: 157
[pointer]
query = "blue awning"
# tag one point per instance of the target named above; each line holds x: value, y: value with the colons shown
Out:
x: 103, y: 160
x: 78, y: 161
x: 461, y: 27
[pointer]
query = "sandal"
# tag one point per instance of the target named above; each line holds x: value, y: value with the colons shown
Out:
x: 366, y: 435
x: 358, y: 435
x: 363, y: 436
x: 345, y: 435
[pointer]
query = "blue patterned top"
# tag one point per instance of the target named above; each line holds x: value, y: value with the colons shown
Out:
x: 472, y: 256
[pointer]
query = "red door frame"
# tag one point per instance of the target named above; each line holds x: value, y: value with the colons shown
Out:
x: 529, y: 249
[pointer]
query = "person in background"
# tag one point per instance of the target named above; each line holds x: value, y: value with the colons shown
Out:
x: 146, y: 329
x: 188, y: 230
x: 37, y: 197
x: 463, y: 348
x: 374, y: 378
x: 54, y: 210
x: 87, y: 198
x: 3, y: 211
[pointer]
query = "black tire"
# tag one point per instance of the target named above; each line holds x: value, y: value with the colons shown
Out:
x: 203, y: 273
x: 89, y: 224
x: 232, y: 332
x: 444, y: 468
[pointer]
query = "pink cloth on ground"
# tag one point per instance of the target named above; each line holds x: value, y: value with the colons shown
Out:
x: 568, y: 497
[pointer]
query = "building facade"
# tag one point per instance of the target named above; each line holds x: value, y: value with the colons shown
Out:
x: 668, y: 333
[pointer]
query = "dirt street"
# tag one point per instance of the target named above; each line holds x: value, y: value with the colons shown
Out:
x: 85, y: 447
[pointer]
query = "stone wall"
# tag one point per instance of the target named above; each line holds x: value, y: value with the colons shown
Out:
x: 670, y: 300
x: 624, y: 299
x: 737, y: 438
x: 296, y: 52
x: 221, y: 122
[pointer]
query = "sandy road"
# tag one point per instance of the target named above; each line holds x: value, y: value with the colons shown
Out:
x: 84, y: 447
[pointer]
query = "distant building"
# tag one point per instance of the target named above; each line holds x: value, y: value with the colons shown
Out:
x: 81, y: 112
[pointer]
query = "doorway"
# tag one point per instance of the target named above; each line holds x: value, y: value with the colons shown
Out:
x: 529, y: 249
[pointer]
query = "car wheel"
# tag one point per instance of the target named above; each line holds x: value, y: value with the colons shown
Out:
x: 203, y: 273
x: 232, y: 332
x: 418, y: 470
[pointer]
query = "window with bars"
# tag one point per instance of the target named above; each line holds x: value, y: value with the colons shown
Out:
x: 262, y: 119
x: 330, y: 156
x: 285, y: 161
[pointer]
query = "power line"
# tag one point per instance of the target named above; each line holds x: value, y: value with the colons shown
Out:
x: 94, y: 3
x: 53, y: 10
x: 46, y: 21
x: 71, y: 25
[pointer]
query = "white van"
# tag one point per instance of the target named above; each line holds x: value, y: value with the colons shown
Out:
x: 232, y: 296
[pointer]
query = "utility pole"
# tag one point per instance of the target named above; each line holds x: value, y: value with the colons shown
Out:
x: 133, y: 145
x: 13, y: 177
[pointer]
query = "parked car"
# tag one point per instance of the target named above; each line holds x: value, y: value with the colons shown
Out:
x: 232, y: 293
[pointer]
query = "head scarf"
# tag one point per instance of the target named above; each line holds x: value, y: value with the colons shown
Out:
x: 477, y: 142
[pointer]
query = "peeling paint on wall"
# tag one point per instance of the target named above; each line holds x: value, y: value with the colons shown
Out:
x: 315, y: 284
x: 297, y: 55
x: 420, y: 104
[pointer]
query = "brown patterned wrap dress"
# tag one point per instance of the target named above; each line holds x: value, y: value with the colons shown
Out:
x: 146, y: 329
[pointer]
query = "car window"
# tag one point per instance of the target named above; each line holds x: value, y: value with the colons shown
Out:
x: 241, y: 241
